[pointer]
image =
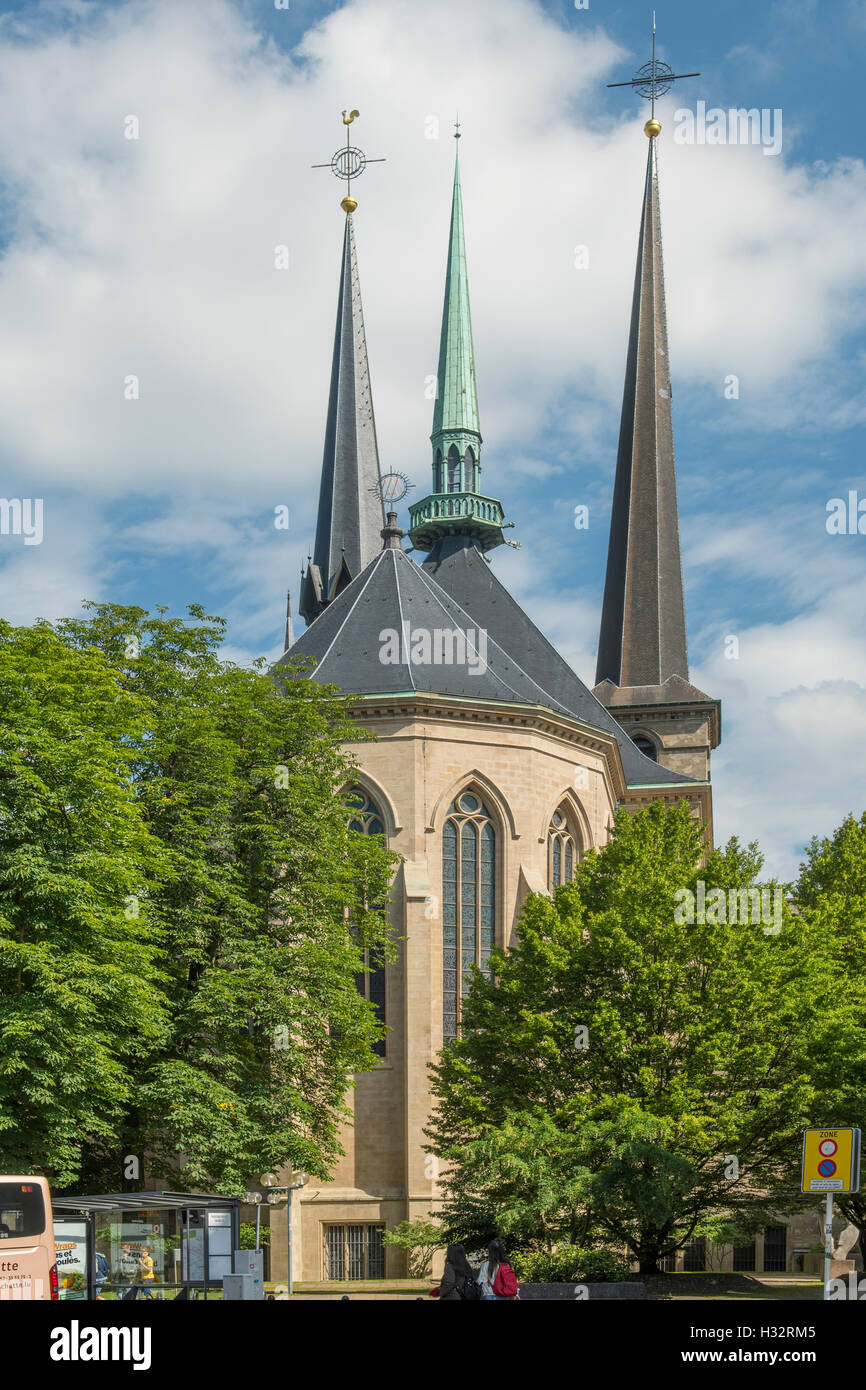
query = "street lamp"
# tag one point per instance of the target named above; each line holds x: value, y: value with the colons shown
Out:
x: 255, y: 1199
x: 275, y: 1191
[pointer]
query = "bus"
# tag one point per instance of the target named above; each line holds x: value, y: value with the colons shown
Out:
x: 28, y: 1264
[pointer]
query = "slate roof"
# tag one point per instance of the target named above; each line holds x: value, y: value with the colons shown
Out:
x: 643, y: 628
x: 350, y: 515
x: 455, y: 590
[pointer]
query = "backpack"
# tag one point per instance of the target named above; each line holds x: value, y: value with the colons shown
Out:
x: 470, y: 1289
x: 505, y: 1283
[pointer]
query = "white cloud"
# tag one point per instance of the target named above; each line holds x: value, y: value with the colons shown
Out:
x: 154, y: 257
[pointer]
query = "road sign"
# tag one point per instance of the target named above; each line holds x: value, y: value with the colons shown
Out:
x: 831, y: 1160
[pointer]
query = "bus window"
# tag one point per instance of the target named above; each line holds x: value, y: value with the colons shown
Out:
x: 28, y: 1264
x: 22, y: 1210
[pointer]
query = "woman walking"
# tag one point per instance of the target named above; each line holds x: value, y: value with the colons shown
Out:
x: 496, y: 1277
x: 457, y: 1276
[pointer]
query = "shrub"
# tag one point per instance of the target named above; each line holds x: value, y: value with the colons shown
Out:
x: 568, y: 1264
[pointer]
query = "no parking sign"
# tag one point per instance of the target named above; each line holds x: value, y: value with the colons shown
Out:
x: 831, y: 1160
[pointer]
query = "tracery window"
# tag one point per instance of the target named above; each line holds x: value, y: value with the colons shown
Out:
x: 646, y: 746
x: 471, y: 469
x: 562, y: 850
x: 453, y: 469
x: 468, y: 901
x: 370, y: 982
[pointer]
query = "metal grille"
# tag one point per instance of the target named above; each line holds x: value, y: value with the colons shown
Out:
x: 375, y: 1253
x: 354, y: 1252
x: 335, y: 1252
x: 775, y: 1248
x: 695, y: 1255
x: 744, y: 1256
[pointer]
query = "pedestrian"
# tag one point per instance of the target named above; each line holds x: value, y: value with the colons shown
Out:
x: 145, y: 1264
x: 458, y: 1277
x: 496, y: 1277
x: 100, y: 1273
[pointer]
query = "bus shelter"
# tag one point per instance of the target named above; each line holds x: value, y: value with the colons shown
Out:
x: 151, y: 1244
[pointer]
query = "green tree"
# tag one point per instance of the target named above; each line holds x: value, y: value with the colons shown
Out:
x: 675, y: 1052
x: 263, y: 901
x: 831, y: 895
x: 80, y: 1001
x: 419, y: 1240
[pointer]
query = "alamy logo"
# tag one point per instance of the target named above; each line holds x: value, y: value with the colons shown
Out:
x: 852, y: 1292
x: 736, y: 906
x: 77, y: 1343
x: 438, y: 646
x: 22, y: 516
x: 736, y: 126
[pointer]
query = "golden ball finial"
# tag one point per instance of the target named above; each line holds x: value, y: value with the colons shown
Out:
x: 652, y: 128
x: 348, y: 204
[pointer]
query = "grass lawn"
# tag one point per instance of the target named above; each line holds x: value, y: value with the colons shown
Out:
x: 730, y: 1286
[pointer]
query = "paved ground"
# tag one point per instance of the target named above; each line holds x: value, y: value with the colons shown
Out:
x: 770, y: 1288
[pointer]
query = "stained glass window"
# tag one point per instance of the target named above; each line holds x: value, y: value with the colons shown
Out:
x: 367, y: 819
x: 468, y: 901
x: 562, y: 849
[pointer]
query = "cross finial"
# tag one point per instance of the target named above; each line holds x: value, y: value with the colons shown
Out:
x: 653, y: 80
x: 348, y: 163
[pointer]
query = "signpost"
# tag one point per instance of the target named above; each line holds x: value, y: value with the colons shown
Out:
x: 831, y: 1163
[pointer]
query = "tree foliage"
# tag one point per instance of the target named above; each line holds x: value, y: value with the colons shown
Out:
x: 831, y: 895
x: 81, y: 999
x: 254, y: 904
x: 419, y: 1240
x: 698, y: 1040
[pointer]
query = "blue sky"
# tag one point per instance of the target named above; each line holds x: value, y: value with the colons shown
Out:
x: 155, y: 257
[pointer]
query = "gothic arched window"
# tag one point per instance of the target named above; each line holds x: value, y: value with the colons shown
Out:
x: 646, y: 746
x: 367, y: 819
x: 468, y: 901
x: 453, y: 469
x: 440, y: 475
x: 562, y: 849
x: 470, y: 467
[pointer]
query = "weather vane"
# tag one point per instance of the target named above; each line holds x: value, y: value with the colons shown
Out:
x: 653, y: 80
x: 392, y: 487
x: 348, y: 163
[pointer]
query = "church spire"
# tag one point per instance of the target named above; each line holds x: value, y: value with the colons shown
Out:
x: 350, y: 516
x: 455, y: 414
x: 289, y: 638
x: 643, y: 629
x: 456, y: 505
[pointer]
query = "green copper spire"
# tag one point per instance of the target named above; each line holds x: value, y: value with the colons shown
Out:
x: 455, y: 415
x: 456, y: 506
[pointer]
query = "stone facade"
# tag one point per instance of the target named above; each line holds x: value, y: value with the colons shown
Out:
x: 524, y: 764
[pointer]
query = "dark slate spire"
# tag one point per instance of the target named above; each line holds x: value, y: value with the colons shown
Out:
x: 290, y: 636
x: 456, y: 506
x: 643, y: 628
x: 350, y: 517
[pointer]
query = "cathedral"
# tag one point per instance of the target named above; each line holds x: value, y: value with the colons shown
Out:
x: 495, y: 768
